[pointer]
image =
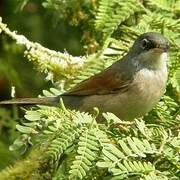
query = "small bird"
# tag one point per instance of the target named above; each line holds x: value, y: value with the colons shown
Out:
x: 129, y: 88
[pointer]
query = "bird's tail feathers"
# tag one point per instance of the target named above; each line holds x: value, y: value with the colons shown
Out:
x: 50, y: 101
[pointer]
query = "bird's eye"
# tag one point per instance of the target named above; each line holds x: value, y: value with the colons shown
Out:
x: 145, y: 43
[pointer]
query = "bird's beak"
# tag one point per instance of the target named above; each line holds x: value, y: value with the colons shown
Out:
x: 163, y: 47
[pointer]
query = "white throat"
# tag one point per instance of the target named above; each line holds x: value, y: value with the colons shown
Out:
x: 163, y: 58
x: 162, y: 61
x: 154, y: 60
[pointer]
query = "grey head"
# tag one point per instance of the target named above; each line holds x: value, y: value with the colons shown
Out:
x: 150, y: 40
x: 151, y: 50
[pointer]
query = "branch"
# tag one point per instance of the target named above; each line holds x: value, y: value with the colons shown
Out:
x: 55, y: 64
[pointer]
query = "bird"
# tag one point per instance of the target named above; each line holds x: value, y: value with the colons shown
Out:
x: 129, y: 88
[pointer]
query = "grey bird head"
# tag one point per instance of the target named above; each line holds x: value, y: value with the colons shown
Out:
x: 151, y: 49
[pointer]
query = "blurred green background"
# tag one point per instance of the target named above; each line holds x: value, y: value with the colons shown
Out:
x: 38, y: 25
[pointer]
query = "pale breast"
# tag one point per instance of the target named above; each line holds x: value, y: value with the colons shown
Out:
x: 146, y: 90
x: 142, y: 95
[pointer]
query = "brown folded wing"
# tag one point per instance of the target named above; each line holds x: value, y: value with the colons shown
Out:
x: 107, y: 82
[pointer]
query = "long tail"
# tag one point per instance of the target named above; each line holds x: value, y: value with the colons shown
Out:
x: 49, y: 101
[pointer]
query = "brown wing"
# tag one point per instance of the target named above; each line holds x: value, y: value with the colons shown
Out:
x: 107, y: 82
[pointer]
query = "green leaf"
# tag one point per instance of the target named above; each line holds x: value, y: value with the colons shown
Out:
x: 26, y: 130
x: 104, y: 164
x: 176, y: 80
x: 125, y: 147
x: 114, y: 150
x: 109, y: 155
x: 32, y: 115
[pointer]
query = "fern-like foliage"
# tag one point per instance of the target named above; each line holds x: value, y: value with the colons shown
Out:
x: 87, y: 153
x: 131, y: 168
x: 112, y: 13
x: 161, y: 5
x: 79, y: 148
x: 61, y: 143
